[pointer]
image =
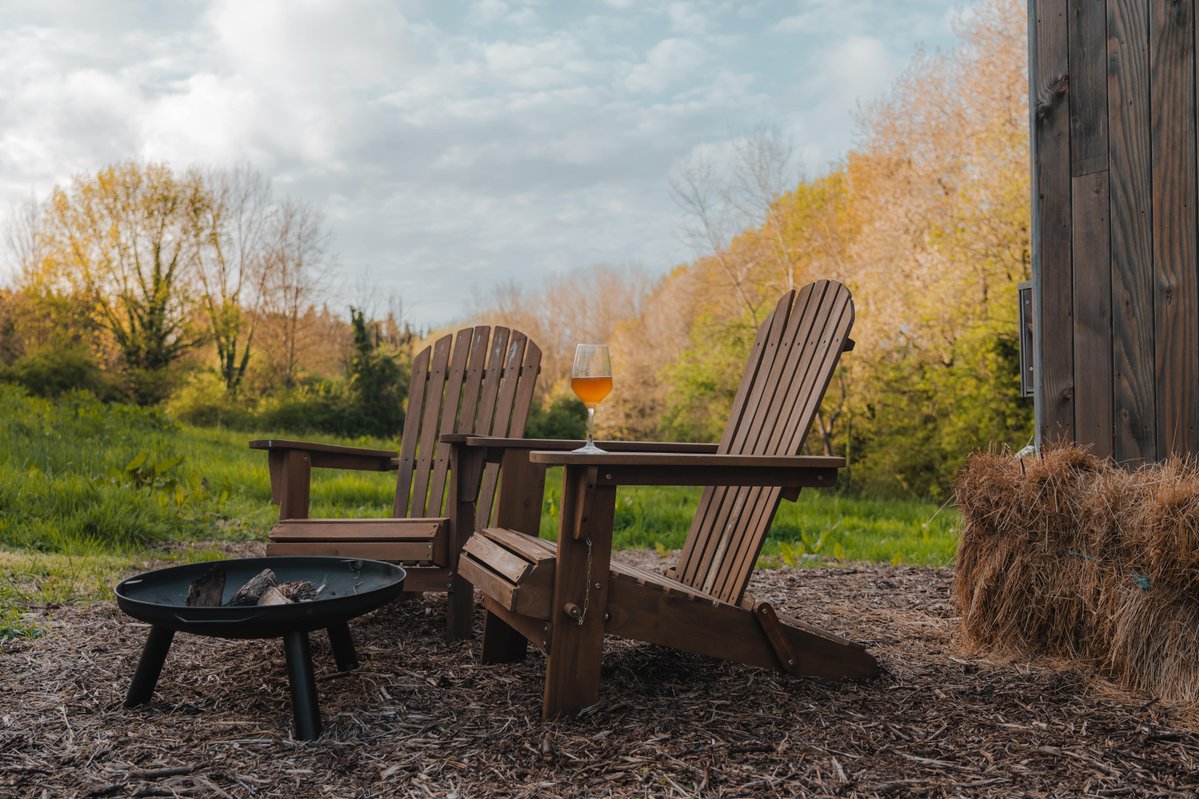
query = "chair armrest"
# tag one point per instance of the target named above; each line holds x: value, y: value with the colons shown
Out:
x: 495, y: 442
x: 291, y: 464
x: 657, y: 468
x: 334, y: 456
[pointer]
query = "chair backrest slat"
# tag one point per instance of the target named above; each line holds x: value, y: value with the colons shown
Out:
x: 416, y: 404
x: 449, y: 409
x: 427, y: 444
x: 476, y: 368
x: 458, y: 385
x: 521, y: 363
x: 793, y: 360
x: 523, y: 402
x: 491, y: 381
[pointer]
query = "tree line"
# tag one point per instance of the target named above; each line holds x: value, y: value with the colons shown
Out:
x: 205, y: 289
x: 927, y: 222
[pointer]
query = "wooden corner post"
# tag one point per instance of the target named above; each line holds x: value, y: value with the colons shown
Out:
x: 580, y: 600
x: 465, y: 469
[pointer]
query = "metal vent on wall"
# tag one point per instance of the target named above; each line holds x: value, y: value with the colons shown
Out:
x: 1024, y: 293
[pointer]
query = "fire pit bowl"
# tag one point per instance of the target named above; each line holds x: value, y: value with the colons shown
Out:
x: 346, y: 588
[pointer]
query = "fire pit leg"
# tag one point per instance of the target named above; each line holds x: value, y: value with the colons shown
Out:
x: 343, y: 646
x: 154, y: 654
x: 303, y: 686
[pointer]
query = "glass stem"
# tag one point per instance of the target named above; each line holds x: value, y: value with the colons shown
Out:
x: 590, y: 425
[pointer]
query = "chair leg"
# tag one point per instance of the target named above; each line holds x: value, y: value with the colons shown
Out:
x: 466, y: 471
x: 580, y: 603
x: 460, y: 607
x: 501, y: 643
x: 572, y: 671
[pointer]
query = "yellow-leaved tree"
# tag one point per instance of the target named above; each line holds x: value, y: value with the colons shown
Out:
x: 126, y: 241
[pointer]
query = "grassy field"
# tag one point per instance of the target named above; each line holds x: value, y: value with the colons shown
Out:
x: 88, y: 490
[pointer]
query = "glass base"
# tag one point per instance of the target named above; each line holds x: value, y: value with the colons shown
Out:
x: 589, y: 449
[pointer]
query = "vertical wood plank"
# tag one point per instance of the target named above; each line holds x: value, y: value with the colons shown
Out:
x: 572, y: 674
x: 1088, y: 88
x: 1092, y: 314
x: 521, y: 495
x: 412, y: 418
x: 1176, y: 287
x: 477, y: 365
x: 426, y: 447
x: 509, y: 377
x: 464, y: 480
x: 449, y: 413
x: 1052, y: 258
x: 1134, y: 406
x: 296, y: 480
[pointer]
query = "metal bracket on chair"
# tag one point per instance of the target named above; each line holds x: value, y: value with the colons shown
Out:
x: 776, y: 634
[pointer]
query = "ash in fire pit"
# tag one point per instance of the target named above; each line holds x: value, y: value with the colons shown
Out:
x: 263, y: 588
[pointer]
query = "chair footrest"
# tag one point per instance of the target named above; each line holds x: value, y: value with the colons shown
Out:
x: 515, y: 570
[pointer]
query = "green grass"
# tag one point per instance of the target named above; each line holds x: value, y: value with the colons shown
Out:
x: 88, y: 491
x: 822, y: 527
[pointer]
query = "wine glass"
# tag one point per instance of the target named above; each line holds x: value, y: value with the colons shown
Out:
x: 591, y: 380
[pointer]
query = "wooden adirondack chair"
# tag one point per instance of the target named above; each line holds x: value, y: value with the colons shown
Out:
x: 566, y: 596
x: 475, y: 382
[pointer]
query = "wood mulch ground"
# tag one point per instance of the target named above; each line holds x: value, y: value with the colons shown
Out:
x: 419, y: 718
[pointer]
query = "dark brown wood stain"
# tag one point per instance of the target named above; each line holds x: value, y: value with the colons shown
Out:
x: 1114, y: 235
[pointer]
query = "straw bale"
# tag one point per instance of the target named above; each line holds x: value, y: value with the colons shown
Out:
x: 1069, y: 556
x: 1023, y: 581
x: 1172, y: 530
x: 1153, y: 639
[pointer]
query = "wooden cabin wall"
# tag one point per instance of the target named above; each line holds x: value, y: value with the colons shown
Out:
x: 1115, y: 267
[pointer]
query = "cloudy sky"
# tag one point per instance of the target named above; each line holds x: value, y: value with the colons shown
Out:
x: 451, y: 145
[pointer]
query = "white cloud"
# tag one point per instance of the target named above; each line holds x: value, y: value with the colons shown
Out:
x: 449, y: 144
x: 545, y: 63
x: 922, y: 20
x: 487, y: 12
x: 668, y: 62
x: 686, y: 19
x: 855, y: 67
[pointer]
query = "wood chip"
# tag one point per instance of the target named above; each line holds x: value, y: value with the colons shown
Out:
x: 668, y: 724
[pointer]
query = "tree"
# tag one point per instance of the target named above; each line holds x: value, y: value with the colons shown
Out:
x: 296, y: 273
x: 236, y: 252
x: 378, y: 379
x: 126, y: 240
x: 24, y: 245
x: 580, y: 306
x: 723, y: 204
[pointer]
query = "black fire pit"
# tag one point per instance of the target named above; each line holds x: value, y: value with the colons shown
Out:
x: 346, y: 587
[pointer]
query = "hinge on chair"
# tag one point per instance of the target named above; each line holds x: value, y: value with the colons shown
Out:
x: 776, y: 634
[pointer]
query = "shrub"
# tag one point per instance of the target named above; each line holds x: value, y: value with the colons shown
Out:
x: 378, y: 382
x: 317, y: 405
x: 203, y: 401
x: 56, y: 369
x: 564, y: 417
